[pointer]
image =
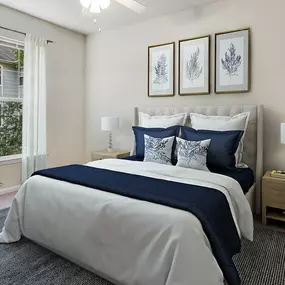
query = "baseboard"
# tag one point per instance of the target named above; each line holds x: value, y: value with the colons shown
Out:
x: 9, y: 190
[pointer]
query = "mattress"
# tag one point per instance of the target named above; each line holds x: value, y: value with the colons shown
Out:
x: 244, y: 176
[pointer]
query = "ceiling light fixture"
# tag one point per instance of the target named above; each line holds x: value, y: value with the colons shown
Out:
x: 95, y: 6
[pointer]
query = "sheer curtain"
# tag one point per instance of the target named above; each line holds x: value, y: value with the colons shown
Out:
x: 34, y: 155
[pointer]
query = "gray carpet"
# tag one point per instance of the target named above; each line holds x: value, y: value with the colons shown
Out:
x: 24, y: 263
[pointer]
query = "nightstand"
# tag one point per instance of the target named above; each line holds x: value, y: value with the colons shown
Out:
x: 273, y: 198
x: 103, y: 154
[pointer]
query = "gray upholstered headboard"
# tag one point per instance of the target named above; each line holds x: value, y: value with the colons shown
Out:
x: 253, y: 142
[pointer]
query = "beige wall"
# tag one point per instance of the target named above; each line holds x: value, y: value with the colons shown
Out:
x: 65, y: 91
x: 117, y: 68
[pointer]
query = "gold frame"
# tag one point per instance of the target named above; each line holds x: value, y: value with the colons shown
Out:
x: 249, y: 62
x: 148, y: 81
x: 209, y: 67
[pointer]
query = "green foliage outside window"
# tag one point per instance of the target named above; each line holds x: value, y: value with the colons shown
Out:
x: 10, y: 128
x: 19, y: 54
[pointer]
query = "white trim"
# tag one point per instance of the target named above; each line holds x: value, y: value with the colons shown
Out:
x: 6, y: 99
x: 2, y: 73
x: 10, y: 159
x: 17, y: 43
x: 9, y: 190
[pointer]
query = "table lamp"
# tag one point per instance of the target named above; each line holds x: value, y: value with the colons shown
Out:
x: 109, y: 124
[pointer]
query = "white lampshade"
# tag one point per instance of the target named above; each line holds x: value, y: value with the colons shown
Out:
x: 282, y: 133
x: 109, y: 123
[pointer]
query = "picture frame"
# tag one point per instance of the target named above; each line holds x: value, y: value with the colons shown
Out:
x: 233, y: 61
x: 161, y: 70
x: 194, y: 66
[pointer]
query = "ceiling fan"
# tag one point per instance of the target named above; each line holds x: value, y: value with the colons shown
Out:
x: 96, y: 6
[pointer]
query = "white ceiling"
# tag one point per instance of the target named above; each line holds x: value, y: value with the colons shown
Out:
x: 67, y: 13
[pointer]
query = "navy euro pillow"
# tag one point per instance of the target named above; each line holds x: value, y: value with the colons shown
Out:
x: 222, y: 149
x: 139, y: 133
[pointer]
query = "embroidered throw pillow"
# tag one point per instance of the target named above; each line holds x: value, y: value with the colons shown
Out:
x: 158, y: 150
x: 192, y: 154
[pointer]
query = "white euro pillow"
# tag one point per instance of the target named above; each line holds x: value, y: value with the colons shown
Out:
x: 238, y: 122
x: 164, y: 121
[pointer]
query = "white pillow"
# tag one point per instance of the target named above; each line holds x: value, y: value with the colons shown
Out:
x: 223, y: 123
x: 192, y: 154
x: 158, y: 150
x: 165, y: 121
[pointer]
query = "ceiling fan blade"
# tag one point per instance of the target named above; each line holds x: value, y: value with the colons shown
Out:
x: 133, y: 5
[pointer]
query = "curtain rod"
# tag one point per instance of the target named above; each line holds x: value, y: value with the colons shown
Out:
x: 18, y: 32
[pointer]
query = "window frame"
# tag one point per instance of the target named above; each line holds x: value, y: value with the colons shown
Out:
x: 2, y: 77
x: 21, y: 75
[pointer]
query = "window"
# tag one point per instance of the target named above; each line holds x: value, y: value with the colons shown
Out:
x: 11, y: 94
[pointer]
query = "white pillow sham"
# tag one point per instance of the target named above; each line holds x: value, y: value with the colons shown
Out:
x: 164, y: 121
x: 192, y: 154
x: 158, y: 150
x: 238, y: 122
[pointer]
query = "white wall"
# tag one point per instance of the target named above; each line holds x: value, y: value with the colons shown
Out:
x: 65, y: 90
x: 117, y: 68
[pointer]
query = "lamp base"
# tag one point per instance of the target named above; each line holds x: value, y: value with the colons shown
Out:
x: 110, y: 144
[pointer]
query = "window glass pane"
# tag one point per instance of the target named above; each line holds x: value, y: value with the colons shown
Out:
x: 11, y: 128
x: 11, y: 88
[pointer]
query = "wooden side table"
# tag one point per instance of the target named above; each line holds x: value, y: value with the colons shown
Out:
x: 103, y: 154
x: 273, y: 198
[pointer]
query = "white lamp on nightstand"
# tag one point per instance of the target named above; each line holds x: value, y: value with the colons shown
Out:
x: 282, y: 133
x: 109, y: 124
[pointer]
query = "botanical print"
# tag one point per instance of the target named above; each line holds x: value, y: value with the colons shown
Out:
x: 231, y: 61
x: 158, y: 149
x: 193, y: 67
x: 232, y: 71
x: 193, y: 154
x: 161, y: 70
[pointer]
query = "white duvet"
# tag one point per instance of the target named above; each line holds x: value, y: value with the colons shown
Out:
x: 125, y: 240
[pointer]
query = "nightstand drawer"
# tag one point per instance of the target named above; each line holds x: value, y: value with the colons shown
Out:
x: 274, y: 194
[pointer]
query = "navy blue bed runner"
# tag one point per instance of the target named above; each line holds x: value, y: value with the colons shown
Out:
x: 210, y: 206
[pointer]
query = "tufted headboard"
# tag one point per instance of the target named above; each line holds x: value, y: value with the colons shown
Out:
x: 253, y: 141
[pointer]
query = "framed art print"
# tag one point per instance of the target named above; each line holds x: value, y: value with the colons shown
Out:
x: 161, y: 69
x: 194, y: 66
x: 232, y: 62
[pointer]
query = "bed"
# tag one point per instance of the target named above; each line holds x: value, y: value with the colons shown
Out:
x: 253, y: 142
x: 130, y: 237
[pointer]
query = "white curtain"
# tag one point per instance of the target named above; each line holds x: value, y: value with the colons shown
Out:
x: 34, y: 155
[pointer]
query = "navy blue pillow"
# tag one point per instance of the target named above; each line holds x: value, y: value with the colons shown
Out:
x: 221, y: 152
x: 139, y: 133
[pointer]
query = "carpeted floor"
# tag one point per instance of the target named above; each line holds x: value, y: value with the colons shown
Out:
x: 25, y: 263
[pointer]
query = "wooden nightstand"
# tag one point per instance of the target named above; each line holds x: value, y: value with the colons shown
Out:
x: 103, y: 154
x: 273, y: 198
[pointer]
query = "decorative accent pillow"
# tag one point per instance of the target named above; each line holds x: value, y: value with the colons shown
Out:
x: 223, y: 123
x: 158, y: 150
x: 221, y: 152
x: 139, y: 133
x: 164, y: 121
x: 192, y: 154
